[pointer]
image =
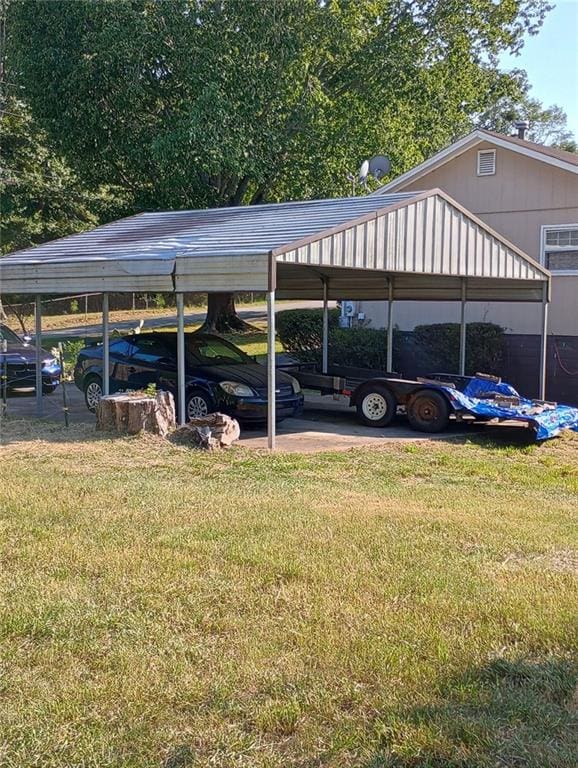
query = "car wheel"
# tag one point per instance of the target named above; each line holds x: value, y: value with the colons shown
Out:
x: 92, y: 392
x: 428, y: 411
x: 198, y: 404
x: 376, y: 406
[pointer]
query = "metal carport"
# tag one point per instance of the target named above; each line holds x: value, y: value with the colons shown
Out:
x: 406, y: 246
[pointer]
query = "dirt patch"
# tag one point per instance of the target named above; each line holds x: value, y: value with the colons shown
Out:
x: 563, y: 561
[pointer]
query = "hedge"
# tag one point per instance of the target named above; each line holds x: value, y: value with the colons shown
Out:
x: 301, y: 332
x: 431, y: 347
x: 440, y: 342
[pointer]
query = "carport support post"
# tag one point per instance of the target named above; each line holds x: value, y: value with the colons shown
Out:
x: 389, y: 363
x: 544, y: 342
x: 105, y: 347
x: 181, y: 358
x: 463, y: 331
x: 38, y: 342
x: 271, y: 370
x: 325, y: 360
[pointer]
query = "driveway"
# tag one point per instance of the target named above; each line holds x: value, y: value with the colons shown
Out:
x: 325, y: 425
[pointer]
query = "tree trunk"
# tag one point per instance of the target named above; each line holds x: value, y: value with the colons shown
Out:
x: 133, y: 412
x: 222, y: 316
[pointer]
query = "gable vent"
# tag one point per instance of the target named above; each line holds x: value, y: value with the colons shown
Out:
x: 486, y: 162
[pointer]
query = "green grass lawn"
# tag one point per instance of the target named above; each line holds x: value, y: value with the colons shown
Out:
x: 413, y: 606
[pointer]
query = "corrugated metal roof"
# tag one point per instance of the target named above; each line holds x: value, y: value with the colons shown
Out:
x: 214, y: 231
x: 374, y: 239
x: 428, y: 234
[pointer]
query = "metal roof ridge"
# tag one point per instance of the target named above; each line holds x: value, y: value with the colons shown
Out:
x: 264, y: 206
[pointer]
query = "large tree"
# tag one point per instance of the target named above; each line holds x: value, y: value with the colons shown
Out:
x: 547, y: 125
x: 190, y: 103
x: 41, y: 198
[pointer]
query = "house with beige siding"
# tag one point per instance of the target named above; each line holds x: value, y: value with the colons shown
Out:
x: 529, y: 194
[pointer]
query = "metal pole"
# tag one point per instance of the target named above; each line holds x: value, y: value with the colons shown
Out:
x: 463, y: 331
x: 271, y: 370
x: 63, y: 383
x: 4, y: 406
x: 181, y: 358
x: 389, y: 364
x: 38, y: 343
x: 325, y: 361
x: 544, y: 343
x: 105, y: 347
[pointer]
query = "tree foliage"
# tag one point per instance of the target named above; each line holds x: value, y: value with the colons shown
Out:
x: 219, y: 102
x: 547, y: 125
x: 200, y: 103
x: 40, y: 197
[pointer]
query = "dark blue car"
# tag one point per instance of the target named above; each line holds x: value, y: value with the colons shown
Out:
x: 20, y: 363
x: 219, y: 376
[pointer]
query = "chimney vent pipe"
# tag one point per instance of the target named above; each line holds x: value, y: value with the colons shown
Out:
x: 522, y: 126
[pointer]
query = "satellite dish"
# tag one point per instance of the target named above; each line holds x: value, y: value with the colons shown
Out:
x: 379, y: 166
x: 363, y: 171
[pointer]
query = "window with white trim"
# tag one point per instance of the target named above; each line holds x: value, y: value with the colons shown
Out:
x: 486, y: 162
x: 560, y: 248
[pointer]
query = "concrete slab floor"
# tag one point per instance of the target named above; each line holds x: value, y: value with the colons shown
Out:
x: 326, y: 424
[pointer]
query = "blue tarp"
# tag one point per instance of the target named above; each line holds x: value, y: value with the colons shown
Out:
x: 476, y: 398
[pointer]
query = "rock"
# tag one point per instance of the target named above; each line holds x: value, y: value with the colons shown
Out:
x: 209, y: 432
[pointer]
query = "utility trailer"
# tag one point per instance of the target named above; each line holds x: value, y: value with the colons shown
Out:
x: 429, y: 402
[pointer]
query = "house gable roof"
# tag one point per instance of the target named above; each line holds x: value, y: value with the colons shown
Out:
x: 555, y: 152
x: 566, y: 161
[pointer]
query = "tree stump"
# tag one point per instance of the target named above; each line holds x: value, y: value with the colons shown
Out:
x: 209, y: 432
x: 133, y: 412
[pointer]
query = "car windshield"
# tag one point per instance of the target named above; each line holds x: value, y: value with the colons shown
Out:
x: 215, y: 352
x: 10, y: 336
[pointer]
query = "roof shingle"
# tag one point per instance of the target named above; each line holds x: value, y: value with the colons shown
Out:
x: 560, y: 154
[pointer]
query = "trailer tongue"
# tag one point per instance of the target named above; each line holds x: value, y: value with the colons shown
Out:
x: 431, y: 401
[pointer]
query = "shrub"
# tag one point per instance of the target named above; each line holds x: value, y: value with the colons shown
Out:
x: 360, y: 347
x: 301, y: 332
x: 440, y: 346
x: 70, y: 350
x: 429, y: 348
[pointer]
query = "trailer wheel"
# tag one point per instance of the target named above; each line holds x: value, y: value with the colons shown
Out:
x: 428, y: 411
x: 376, y: 406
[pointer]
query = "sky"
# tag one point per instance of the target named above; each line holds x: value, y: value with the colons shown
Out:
x: 551, y: 60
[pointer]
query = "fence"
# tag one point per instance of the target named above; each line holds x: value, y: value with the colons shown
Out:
x: 520, y: 367
x: 88, y: 303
